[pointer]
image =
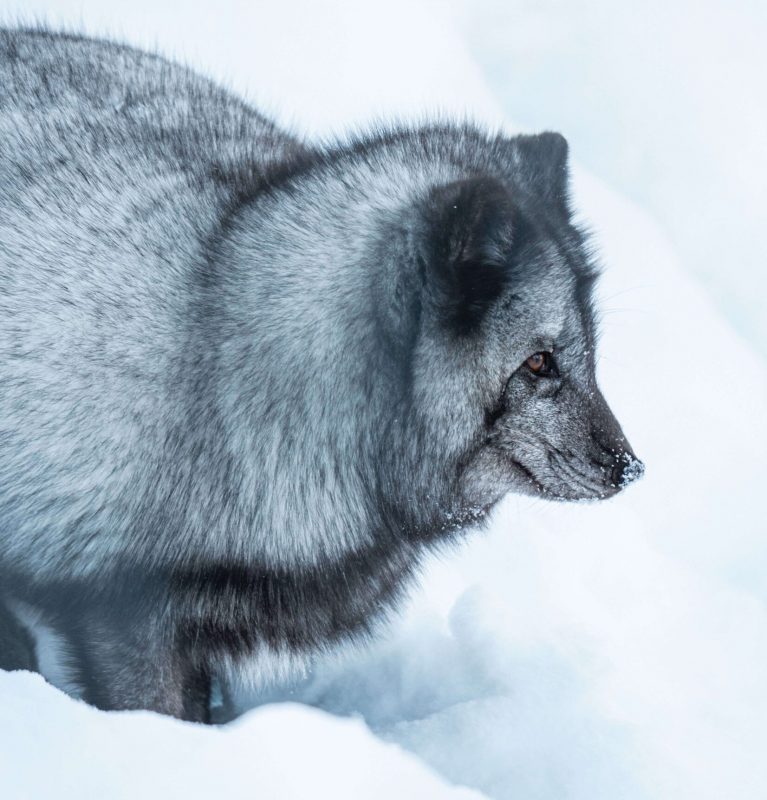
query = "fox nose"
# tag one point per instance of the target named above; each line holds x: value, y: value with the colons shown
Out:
x: 627, y: 468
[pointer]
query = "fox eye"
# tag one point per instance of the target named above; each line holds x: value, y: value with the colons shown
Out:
x: 541, y: 364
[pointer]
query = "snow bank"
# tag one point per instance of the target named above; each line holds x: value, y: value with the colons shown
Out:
x: 56, y: 747
x: 606, y: 651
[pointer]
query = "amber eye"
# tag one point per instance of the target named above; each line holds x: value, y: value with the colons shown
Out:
x: 540, y: 363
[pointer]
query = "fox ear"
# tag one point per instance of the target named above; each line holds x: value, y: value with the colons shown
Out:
x: 543, y: 161
x: 469, y: 235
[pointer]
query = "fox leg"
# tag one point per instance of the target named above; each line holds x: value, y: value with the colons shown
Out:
x: 17, y: 649
x: 139, y: 664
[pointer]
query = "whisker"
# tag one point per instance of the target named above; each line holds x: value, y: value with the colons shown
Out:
x: 608, y: 311
x: 626, y: 290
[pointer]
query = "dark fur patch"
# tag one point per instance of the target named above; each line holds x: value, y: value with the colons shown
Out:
x: 17, y: 650
x: 469, y: 238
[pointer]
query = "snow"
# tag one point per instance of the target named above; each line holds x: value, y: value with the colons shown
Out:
x: 68, y: 749
x: 614, y: 650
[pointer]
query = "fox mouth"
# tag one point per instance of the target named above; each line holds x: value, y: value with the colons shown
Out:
x: 586, y: 486
x: 564, y: 483
x: 565, y: 476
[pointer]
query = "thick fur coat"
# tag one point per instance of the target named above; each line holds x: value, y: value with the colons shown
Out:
x: 245, y: 382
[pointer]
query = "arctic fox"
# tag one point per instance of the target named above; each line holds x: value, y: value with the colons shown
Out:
x: 247, y: 382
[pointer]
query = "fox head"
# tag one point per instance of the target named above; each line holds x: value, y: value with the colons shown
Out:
x: 505, y: 352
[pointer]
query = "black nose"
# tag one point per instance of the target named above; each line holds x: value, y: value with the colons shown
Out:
x: 626, y: 469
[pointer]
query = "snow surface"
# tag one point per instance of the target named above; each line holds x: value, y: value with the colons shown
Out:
x: 68, y: 749
x: 598, y: 651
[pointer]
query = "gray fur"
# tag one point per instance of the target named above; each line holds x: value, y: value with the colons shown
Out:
x: 244, y: 382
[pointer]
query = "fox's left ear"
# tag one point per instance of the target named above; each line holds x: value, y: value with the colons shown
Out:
x: 542, y: 160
